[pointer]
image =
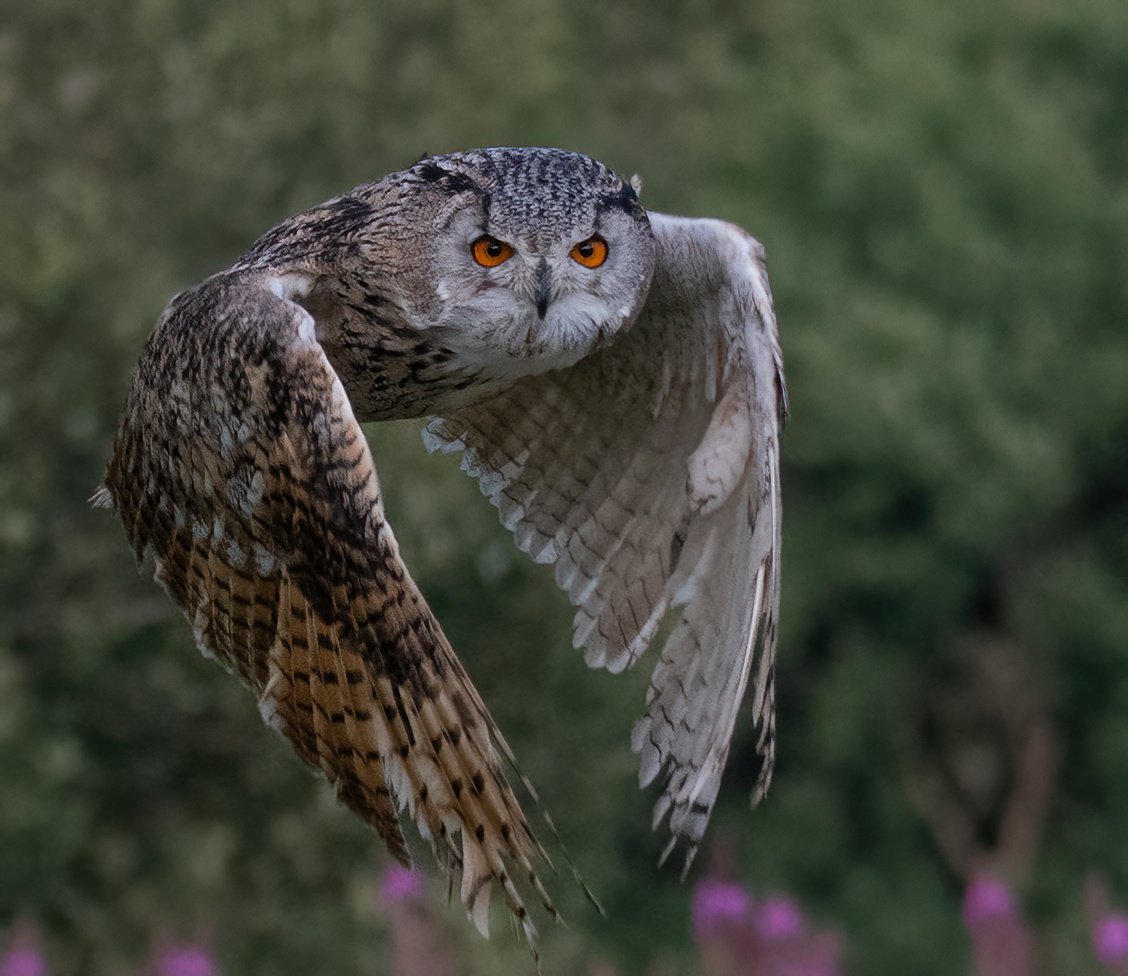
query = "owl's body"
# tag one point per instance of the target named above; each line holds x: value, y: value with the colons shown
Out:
x: 612, y: 378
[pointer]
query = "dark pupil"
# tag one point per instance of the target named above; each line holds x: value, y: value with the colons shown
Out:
x: 493, y: 248
x: 587, y: 250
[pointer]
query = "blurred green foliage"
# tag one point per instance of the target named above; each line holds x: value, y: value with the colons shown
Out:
x: 943, y: 192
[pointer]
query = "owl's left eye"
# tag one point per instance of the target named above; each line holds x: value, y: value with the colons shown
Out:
x: 489, y: 252
x: 590, y: 253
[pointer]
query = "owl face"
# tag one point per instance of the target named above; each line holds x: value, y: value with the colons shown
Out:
x: 540, y: 256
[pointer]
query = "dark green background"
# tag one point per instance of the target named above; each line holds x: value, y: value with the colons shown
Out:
x: 943, y: 192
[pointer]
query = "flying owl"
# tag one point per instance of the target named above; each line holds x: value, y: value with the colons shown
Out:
x: 613, y: 379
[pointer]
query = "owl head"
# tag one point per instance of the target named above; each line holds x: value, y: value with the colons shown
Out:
x: 523, y: 259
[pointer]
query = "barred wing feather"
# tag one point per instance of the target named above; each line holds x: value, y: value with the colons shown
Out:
x: 241, y: 468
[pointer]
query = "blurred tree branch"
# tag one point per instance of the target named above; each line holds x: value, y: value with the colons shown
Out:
x: 986, y: 775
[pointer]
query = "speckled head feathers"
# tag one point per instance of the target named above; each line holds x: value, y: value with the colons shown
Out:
x: 533, y: 186
x: 539, y: 304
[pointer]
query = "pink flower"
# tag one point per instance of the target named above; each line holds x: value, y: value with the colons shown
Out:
x: 24, y: 957
x: 25, y: 961
x: 1000, y: 940
x: 186, y: 960
x: 986, y: 898
x: 421, y: 946
x: 1110, y: 939
x: 398, y: 885
x: 777, y: 917
x: 717, y: 904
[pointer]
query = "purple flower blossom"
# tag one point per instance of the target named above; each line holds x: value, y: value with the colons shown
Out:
x: 398, y: 885
x: 1000, y: 939
x: 1110, y: 939
x: 23, y: 961
x: 987, y: 898
x: 186, y: 960
x: 777, y: 917
x: 23, y: 956
x: 717, y: 904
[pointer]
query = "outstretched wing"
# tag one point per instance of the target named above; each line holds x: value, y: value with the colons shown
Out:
x: 241, y: 468
x: 648, y: 476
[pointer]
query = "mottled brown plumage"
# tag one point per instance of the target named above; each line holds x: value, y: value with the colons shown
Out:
x: 624, y: 422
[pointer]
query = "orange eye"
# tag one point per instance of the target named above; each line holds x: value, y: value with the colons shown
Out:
x: 590, y: 253
x: 489, y: 252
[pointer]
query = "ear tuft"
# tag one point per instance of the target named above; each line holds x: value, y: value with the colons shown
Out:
x: 636, y: 184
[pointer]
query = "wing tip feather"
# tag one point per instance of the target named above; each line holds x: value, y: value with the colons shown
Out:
x: 101, y: 498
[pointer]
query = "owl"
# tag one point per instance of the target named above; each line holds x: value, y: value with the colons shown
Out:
x: 612, y: 378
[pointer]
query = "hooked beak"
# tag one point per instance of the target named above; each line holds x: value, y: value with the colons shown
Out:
x: 544, y: 288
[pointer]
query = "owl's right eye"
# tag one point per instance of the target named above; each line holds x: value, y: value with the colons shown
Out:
x: 489, y: 252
